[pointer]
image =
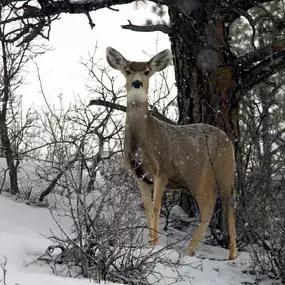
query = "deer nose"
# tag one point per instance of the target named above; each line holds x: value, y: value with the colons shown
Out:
x: 137, y: 84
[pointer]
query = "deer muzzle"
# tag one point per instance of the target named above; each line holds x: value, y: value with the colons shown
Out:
x: 137, y: 84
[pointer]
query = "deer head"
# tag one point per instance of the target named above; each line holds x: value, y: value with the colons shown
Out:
x: 137, y: 74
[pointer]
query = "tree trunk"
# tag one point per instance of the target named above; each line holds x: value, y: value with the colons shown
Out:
x: 53, y: 183
x: 205, y: 75
x: 10, y: 160
x: 5, y: 140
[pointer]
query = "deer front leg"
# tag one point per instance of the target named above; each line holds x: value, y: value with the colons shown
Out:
x: 146, y: 192
x: 159, y: 185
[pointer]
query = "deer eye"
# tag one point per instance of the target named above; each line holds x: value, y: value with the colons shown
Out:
x: 128, y: 72
x: 146, y: 72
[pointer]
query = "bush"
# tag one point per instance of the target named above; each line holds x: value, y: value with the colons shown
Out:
x: 108, y: 241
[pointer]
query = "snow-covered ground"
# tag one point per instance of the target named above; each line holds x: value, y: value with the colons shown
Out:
x: 23, y: 231
x: 23, y: 238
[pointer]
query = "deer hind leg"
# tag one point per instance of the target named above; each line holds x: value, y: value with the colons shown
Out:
x: 146, y: 192
x: 206, y: 200
x: 228, y: 204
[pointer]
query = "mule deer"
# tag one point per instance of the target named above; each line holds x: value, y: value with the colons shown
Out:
x: 197, y: 157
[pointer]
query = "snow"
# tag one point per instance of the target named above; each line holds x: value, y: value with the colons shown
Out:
x: 23, y: 238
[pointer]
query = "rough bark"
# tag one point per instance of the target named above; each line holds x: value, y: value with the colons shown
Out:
x: 204, y: 70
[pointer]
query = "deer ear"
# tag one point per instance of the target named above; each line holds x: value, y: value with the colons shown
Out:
x: 161, y: 60
x: 115, y: 59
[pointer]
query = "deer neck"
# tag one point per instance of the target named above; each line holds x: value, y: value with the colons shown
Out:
x: 137, y: 106
x: 137, y: 116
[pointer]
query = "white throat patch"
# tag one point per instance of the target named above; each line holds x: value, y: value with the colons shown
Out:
x: 136, y: 95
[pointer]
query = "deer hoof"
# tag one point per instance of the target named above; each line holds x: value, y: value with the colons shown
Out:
x: 154, y: 242
x: 189, y: 252
x: 233, y: 255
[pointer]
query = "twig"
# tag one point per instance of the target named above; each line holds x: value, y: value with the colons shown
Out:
x: 3, y: 266
x: 92, y: 25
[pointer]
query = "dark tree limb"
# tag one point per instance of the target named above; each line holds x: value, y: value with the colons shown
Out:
x: 152, y: 28
x: 154, y: 112
x: 261, y: 53
x: 52, y: 8
x: 92, y: 25
x: 48, y: 9
x: 49, y: 189
x: 260, y: 72
x: 112, y: 105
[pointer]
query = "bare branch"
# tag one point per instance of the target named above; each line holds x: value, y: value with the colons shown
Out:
x: 108, y: 104
x: 152, y: 28
x: 52, y: 8
x: 154, y: 112
x: 92, y: 25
